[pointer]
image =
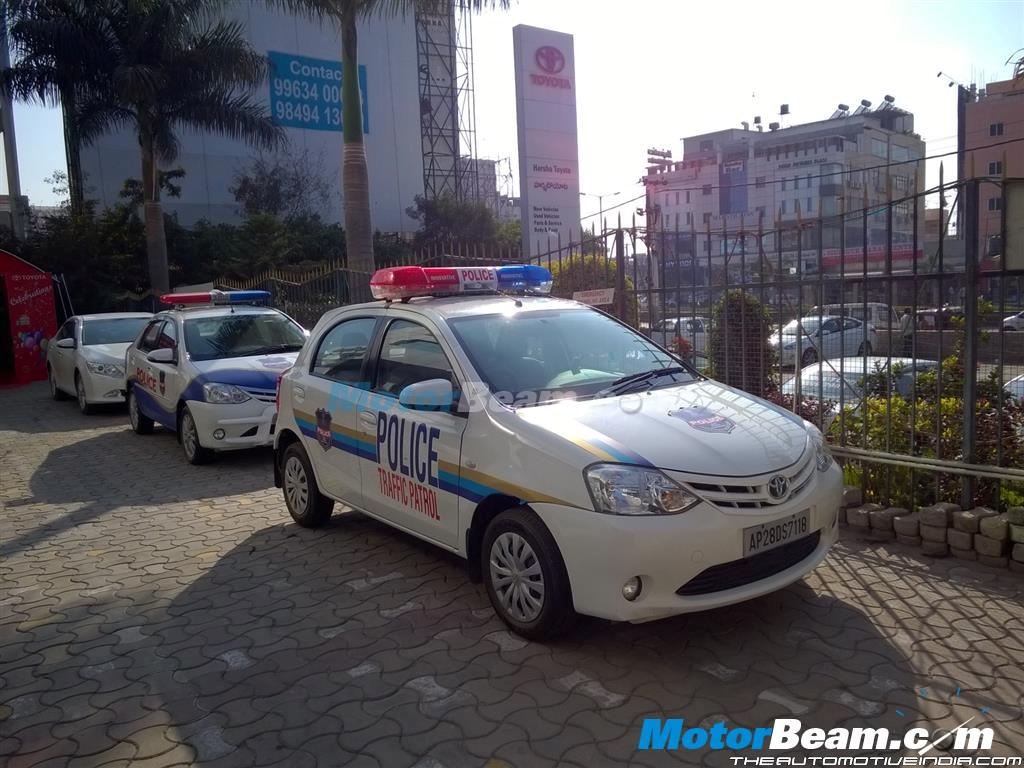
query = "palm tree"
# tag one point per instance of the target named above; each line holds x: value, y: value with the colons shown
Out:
x: 165, y: 65
x: 346, y: 14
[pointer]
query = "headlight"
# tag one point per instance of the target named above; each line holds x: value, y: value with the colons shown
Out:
x: 105, y: 369
x: 822, y: 455
x: 621, y: 489
x: 224, y: 393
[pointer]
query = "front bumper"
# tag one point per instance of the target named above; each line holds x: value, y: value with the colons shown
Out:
x: 602, y: 551
x: 102, y: 389
x: 245, y: 425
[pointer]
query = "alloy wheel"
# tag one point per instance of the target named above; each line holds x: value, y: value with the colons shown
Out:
x: 296, y: 484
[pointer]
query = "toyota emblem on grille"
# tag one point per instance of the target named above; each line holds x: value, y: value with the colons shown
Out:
x: 778, y: 487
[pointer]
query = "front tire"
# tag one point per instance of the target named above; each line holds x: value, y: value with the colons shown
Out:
x: 865, y: 349
x: 307, y: 506
x: 525, y: 576
x: 195, y: 453
x: 80, y: 396
x: 809, y: 358
x: 56, y: 393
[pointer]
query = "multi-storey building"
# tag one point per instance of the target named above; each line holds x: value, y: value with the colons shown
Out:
x: 734, y: 183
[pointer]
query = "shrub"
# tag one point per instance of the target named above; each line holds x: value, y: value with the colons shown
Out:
x: 738, y: 348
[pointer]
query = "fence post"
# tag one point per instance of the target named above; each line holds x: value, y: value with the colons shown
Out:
x: 970, y: 362
x: 620, y: 275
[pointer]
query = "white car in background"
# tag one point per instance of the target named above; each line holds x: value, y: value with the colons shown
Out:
x: 86, y: 357
x: 1015, y: 388
x: 1014, y: 322
x: 806, y: 341
x: 693, y: 329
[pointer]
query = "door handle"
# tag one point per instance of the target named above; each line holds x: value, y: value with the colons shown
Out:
x: 369, y: 418
x: 298, y: 393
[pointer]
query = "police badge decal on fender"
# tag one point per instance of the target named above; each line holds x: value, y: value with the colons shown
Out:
x: 323, y: 428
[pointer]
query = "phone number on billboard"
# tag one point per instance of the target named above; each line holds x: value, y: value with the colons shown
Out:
x: 308, y: 114
x: 306, y: 90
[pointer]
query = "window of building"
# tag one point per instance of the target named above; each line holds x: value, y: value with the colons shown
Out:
x: 689, y: 218
x: 759, y: 182
x: 796, y: 182
x: 707, y: 218
x: 900, y: 154
x: 995, y: 203
x: 707, y: 145
x: 760, y: 211
x: 901, y: 183
x: 995, y: 129
x: 810, y: 180
x: 783, y: 183
x: 677, y: 220
x: 706, y: 189
x: 853, y: 179
x: 810, y: 205
x: 782, y: 207
x: 666, y: 199
x: 995, y: 168
x: 687, y: 197
x: 677, y: 198
x: 879, y: 149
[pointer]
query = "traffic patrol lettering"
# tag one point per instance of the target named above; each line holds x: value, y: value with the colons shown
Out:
x: 412, y: 457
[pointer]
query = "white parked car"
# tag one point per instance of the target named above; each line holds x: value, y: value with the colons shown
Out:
x: 86, y: 357
x: 803, y: 342
x: 575, y: 465
x: 208, y: 370
x: 1014, y: 322
x: 877, y: 314
x: 1015, y: 388
x: 693, y: 329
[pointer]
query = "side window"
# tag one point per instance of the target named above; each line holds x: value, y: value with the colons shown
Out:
x: 67, y: 331
x: 410, y: 353
x: 342, y: 350
x: 829, y: 326
x: 151, y: 335
x: 849, y: 322
x: 168, y: 338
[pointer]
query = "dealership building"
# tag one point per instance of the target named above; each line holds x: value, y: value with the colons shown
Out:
x: 412, y: 75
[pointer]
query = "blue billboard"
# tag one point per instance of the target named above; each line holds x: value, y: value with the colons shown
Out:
x: 306, y: 92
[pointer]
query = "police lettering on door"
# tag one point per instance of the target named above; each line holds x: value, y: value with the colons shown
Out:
x: 407, y: 455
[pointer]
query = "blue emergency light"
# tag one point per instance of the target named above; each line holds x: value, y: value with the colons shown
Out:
x: 215, y: 297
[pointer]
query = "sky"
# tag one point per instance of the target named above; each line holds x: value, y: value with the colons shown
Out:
x: 652, y: 71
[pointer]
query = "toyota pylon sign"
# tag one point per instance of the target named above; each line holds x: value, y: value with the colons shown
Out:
x: 548, y: 153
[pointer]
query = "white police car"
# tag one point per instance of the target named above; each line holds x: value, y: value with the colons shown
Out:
x: 578, y: 466
x: 208, y: 370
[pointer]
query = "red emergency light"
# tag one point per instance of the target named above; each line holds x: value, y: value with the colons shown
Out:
x: 405, y: 282
x: 215, y: 297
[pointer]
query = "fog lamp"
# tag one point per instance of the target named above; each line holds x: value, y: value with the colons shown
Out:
x: 218, y: 434
x: 631, y: 589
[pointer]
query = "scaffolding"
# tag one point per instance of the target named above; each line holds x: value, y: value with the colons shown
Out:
x: 444, y: 49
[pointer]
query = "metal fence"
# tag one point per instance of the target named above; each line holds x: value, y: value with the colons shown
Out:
x: 886, y: 333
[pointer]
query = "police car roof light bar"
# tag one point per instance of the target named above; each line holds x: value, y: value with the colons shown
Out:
x: 215, y: 297
x: 406, y: 282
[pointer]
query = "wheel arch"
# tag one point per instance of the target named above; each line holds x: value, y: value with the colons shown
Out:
x: 486, y: 510
x: 285, y: 437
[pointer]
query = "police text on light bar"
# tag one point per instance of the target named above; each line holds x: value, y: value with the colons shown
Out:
x: 406, y: 282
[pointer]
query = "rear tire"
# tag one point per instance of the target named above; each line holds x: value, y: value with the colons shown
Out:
x: 83, y: 403
x: 195, y: 453
x: 865, y: 349
x: 141, y: 423
x: 525, y: 576
x: 307, y: 506
x: 809, y: 358
x: 56, y: 393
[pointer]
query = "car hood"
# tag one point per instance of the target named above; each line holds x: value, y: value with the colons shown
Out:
x: 700, y: 428
x: 106, y: 353
x: 259, y: 372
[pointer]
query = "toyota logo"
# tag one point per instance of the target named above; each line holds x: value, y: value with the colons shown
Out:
x: 549, y: 59
x: 778, y: 487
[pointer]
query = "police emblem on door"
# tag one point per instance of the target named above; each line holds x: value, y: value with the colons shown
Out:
x: 323, y: 428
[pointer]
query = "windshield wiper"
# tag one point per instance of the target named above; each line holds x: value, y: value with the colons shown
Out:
x: 274, y: 349
x: 623, y: 385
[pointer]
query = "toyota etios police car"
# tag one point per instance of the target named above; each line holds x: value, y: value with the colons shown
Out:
x: 208, y: 370
x: 578, y: 466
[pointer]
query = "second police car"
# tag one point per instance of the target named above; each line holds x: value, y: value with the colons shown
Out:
x: 208, y: 369
x: 578, y: 466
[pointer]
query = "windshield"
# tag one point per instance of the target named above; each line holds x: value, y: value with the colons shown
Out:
x: 810, y: 325
x: 122, y: 330
x: 534, y: 357
x: 215, y: 338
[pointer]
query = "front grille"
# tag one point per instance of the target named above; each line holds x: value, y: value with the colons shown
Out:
x: 737, y: 573
x: 263, y: 395
x: 730, y: 495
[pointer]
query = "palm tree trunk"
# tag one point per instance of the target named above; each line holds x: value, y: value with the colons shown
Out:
x: 156, y: 240
x: 72, y: 149
x: 355, y: 179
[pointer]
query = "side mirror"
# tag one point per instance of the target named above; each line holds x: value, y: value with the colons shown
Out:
x: 66, y: 343
x: 164, y: 355
x: 429, y: 395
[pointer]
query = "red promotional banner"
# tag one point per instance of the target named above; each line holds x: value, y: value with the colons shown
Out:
x: 33, y: 321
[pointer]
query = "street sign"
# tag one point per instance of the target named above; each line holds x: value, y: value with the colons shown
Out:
x: 598, y: 297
